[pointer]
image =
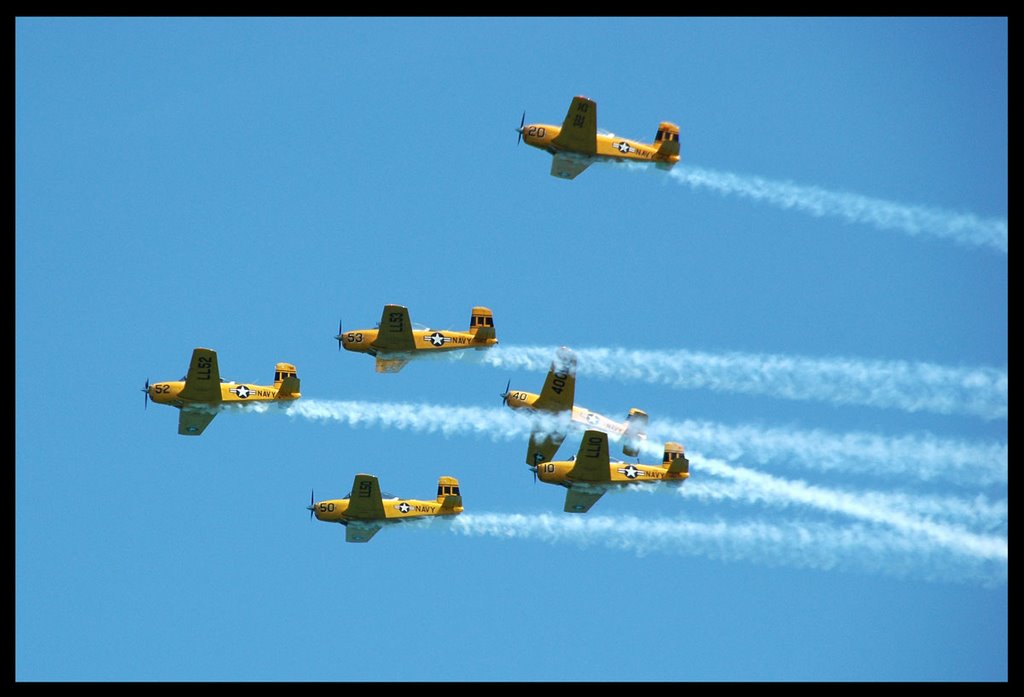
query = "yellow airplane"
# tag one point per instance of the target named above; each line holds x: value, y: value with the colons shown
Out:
x: 394, y: 342
x: 201, y: 393
x: 365, y: 510
x: 591, y: 473
x: 577, y: 144
x: 557, y: 396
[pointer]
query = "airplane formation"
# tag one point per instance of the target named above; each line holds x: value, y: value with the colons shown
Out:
x: 394, y: 342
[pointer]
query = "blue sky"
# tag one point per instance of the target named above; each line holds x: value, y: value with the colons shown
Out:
x: 816, y: 295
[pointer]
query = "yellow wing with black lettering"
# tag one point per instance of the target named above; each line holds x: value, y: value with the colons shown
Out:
x: 543, y: 448
x: 193, y: 423
x: 395, y: 333
x: 592, y: 462
x: 579, y: 130
x: 365, y: 500
x: 559, y: 389
x: 202, y: 384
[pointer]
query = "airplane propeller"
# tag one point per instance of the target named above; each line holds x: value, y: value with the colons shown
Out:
x: 520, y: 129
x: 311, y: 505
x: 145, y: 404
x: 504, y: 395
x: 338, y: 337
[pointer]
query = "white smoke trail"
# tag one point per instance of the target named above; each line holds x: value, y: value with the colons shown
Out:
x: 498, y: 424
x: 979, y: 512
x: 964, y: 228
x: 807, y: 545
x: 924, y: 456
x: 977, y: 391
x: 861, y: 505
x: 897, y: 511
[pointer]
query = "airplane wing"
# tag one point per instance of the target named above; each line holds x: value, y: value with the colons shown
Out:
x: 567, y: 167
x: 365, y: 501
x: 543, y: 449
x: 202, y: 383
x: 559, y: 389
x: 193, y: 423
x: 577, y: 501
x: 598, y: 422
x: 579, y: 130
x: 592, y: 462
x: 395, y: 332
x: 390, y: 365
x: 354, y: 532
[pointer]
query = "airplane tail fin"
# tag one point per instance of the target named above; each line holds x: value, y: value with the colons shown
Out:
x: 286, y: 380
x: 667, y: 142
x: 481, y: 324
x: 636, y: 431
x: 675, y: 460
x: 448, y: 493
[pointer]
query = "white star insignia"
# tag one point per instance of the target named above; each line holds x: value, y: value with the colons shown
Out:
x: 242, y: 391
x: 403, y: 507
x: 437, y: 338
x: 631, y: 472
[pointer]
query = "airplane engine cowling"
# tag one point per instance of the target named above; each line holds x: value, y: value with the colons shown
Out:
x: 553, y: 472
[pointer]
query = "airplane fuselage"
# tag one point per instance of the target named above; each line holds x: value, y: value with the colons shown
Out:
x: 336, y: 510
x: 608, y: 148
x: 230, y: 393
x: 519, y: 399
x: 621, y: 473
x: 362, y: 341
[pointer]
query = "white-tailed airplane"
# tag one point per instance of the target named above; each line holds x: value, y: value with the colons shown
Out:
x: 558, y: 396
